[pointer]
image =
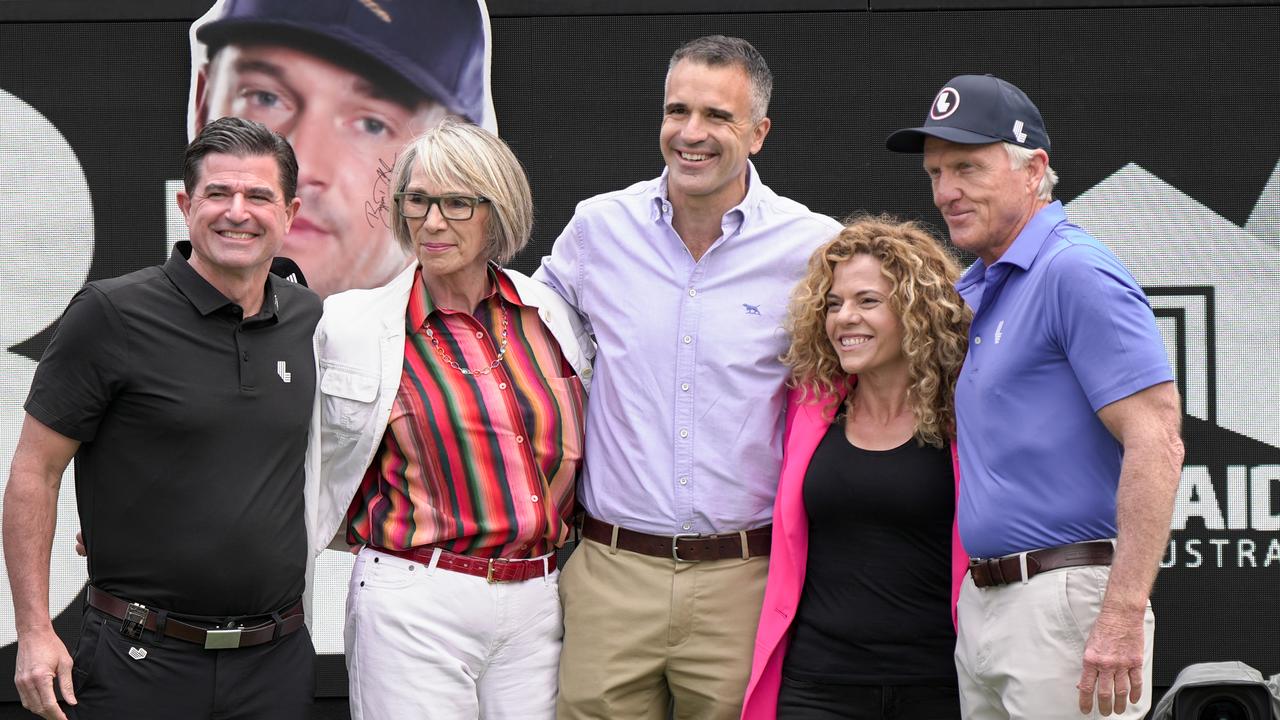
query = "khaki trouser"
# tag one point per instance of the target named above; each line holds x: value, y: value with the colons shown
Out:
x: 1020, y: 647
x: 641, y: 631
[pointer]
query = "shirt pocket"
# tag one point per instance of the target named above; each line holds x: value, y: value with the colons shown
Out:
x: 347, y: 398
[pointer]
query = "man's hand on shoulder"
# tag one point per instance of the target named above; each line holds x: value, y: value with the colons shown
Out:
x: 42, y: 658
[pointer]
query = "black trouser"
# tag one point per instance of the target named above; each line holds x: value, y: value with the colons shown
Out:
x: 165, y: 678
x: 803, y: 700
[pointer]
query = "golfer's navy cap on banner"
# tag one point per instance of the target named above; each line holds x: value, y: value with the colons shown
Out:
x: 438, y: 46
x: 976, y: 110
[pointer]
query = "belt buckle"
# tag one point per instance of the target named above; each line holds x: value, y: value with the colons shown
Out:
x: 488, y: 575
x: 675, y: 548
x: 135, y: 621
x: 227, y: 638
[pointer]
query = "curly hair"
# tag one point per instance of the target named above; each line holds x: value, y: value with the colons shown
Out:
x: 935, y: 320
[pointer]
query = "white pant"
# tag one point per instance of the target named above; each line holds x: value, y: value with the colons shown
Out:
x: 1020, y: 647
x: 423, y: 642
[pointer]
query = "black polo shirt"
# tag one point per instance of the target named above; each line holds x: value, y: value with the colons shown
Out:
x: 193, y: 428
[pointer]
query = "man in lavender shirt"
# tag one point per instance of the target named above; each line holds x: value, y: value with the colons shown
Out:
x: 684, y: 281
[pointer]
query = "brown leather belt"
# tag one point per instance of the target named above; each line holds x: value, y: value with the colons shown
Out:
x: 495, y: 570
x: 1008, y: 569
x: 137, y: 617
x: 681, y: 548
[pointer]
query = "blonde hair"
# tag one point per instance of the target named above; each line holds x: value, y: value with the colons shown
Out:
x: 472, y: 158
x: 935, y: 320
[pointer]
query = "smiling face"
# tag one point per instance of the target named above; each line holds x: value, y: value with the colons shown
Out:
x: 863, y: 329
x: 346, y: 132
x: 984, y: 201
x: 708, y: 134
x: 236, y: 215
x: 449, y: 250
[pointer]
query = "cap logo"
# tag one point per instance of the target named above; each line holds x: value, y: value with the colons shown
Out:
x: 1017, y: 131
x: 947, y: 102
x: 376, y: 9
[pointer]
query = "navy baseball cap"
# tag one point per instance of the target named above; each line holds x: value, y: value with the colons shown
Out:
x: 977, y: 110
x: 437, y: 46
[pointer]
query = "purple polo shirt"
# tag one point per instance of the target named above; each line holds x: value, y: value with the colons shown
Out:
x: 1060, y: 330
x: 684, y: 418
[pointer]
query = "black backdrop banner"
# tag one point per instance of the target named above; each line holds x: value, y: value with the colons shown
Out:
x: 1164, y: 131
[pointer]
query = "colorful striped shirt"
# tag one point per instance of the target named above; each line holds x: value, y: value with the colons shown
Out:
x: 478, y: 464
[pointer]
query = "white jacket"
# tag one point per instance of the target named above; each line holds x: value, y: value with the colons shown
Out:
x: 359, y: 350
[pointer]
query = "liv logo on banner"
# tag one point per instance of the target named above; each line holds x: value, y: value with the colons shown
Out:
x: 1215, y: 287
x: 45, y: 251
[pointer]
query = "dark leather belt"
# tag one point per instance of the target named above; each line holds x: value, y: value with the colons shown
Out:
x: 137, y: 617
x: 495, y: 570
x: 1008, y: 569
x: 682, y: 548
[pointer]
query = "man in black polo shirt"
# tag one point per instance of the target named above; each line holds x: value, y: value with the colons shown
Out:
x: 184, y: 392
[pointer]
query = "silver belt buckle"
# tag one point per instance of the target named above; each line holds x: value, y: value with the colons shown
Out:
x: 222, y: 639
x: 675, y: 549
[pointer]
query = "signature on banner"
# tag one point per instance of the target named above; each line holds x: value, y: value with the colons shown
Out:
x: 378, y: 209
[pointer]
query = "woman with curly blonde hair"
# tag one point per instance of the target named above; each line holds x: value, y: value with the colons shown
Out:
x: 866, y: 564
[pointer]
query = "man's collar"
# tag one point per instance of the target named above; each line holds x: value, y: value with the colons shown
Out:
x: 1027, y: 245
x: 206, y: 298
x: 661, y: 203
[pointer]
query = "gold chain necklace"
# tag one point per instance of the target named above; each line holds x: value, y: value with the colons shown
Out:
x: 444, y: 357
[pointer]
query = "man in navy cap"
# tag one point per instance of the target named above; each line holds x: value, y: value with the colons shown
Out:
x: 348, y: 82
x: 1068, y: 426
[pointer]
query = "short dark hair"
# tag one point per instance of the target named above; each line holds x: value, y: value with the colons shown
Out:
x: 719, y: 51
x: 241, y: 138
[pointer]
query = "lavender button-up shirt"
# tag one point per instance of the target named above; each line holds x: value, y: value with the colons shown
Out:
x: 684, y: 419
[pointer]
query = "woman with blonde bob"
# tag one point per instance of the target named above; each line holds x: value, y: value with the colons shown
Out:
x: 450, y: 424
x: 858, y: 616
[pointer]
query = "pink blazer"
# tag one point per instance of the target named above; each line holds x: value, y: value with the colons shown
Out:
x: 805, y: 425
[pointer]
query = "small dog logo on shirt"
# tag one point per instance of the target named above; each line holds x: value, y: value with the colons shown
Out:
x: 751, y: 309
x: 283, y: 372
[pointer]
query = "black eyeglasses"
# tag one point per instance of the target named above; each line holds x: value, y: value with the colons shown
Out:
x: 452, y: 207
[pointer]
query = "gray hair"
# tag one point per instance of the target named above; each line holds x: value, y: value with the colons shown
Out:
x: 719, y: 51
x: 475, y: 160
x: 1018, y: 159
x: 240, y: 138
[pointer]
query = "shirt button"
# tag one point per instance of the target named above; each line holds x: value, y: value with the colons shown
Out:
x: 684, y: 387
x: 586, y: 372
x: 693, y: 293
x: 684, y: 433
x: 479, y: 335
x: 502, y: 386
x: 684, y: 481
x: 687, y: 339
x: 519, y: 438
x: 977, y: 340
x: 533, y: 498
x: 686, y: 526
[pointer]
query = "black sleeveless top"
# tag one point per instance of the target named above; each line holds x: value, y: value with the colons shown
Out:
x: 876, y: 606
